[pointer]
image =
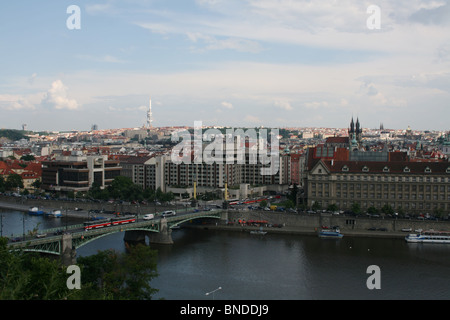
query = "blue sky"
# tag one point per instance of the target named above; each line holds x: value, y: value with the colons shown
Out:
x: 276, y: 63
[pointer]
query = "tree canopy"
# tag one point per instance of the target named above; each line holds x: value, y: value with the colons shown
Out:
x: 104, y: 276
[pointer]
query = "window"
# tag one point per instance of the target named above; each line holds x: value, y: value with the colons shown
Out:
x: 427, y: 170
x: 406, y: 169
x: 345, y: 168
x: 365, y: 169
x: 386, y: 169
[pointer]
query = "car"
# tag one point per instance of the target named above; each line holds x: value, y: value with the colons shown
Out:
x: 168, y: 213
x: 149, y: 216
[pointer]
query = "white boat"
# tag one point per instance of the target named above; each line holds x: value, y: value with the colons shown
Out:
x: 259, y: 232
x: 330, y: 233
x: 34, y: 211
x: 430, y: 236
x: 54, y: 213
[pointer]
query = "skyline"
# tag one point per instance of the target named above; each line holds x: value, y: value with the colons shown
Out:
x: 272, y: 63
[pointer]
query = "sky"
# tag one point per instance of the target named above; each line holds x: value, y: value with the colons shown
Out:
x: 239, y: 63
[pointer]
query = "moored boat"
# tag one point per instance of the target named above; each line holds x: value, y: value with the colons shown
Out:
x: 35, y: 211
x: 330, y: 233
x: 429, y: 236
x: 54, y: 213
x: 259, y: 232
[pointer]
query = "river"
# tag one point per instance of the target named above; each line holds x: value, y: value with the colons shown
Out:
x: 279, y: 266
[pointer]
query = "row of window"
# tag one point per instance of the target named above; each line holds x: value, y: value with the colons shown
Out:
x: 399, y: 196
x: 384, y: 187
x: 380, y: 178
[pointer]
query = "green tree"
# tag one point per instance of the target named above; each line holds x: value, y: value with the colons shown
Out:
x: 105, y: 275
x: 316, y: 206
x: 263, y: 204
x: 28, y: 157
x: 14, y: 181
x: 293, y: 194
x: 387, y: 209
x: 332, y: 207
x: 372, y: 210
x: 120, y: 276
x: 356, y: 208
x: 2, y: 184
x: 27, y: 276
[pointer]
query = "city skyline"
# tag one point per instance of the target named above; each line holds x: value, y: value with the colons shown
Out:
x: 228, y: 63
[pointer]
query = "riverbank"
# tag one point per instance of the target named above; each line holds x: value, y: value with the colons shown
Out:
x: 291, y: 223
x: 72, y: 213
x: 301, y: 231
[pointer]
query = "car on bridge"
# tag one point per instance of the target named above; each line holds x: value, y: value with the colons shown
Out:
x: 168, y: 213
x: 149, y: 216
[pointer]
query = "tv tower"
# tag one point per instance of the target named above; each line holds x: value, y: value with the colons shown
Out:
x: 149, y: 115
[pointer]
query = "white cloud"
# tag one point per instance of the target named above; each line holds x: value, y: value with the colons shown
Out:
x: 56, y: 97
x: 227, y: 105
x: 285, y: 105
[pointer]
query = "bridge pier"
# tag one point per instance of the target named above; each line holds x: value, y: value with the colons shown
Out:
x: 164, y: 236
x: 134, y: 236
x: 68, y: 252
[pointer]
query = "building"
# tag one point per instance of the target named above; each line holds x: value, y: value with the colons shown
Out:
x: 346, y: 176
x: 78, y: 172
x: 413, y: 187
x: 146, y: 171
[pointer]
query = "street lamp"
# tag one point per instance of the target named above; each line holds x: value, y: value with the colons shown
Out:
x: 208, y: 293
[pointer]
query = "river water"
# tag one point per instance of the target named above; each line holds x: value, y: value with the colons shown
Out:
x: 279, y: 267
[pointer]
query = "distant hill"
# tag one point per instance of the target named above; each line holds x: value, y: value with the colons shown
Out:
x: 12, y: 134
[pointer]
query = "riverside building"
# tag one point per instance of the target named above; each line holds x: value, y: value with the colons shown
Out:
x: 345, y: 176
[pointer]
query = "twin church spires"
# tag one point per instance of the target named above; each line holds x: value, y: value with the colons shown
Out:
x: 355, y: 134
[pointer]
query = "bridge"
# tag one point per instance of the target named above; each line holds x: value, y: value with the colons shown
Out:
x: 64, y: 243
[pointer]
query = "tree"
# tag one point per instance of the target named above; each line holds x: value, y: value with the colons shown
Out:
x: 293, y: 194
x: 372, y: 210
x: 121, y: 276
x: 2, y: 184
x: 263, y: 204
x: 387, y: 209
x: 356, y: 208
x: 28, y: 157
x: 105, y: 275
x: 14, y: 181
x: 332, y: 207
x: 316, y: 206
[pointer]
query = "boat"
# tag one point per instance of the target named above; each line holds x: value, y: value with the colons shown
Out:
x: 429, y: 236
x: 259, y: 232
x: 34, y: 211
x: 330, y: 233
x: 54, y: 213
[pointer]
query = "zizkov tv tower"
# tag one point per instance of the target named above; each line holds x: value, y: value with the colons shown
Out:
x: 149, y: 115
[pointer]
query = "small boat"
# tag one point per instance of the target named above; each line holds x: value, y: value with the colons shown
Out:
x: 259, y: 232
x: 41, y: 235
x: 330, y: 233
x: 54, y: 214
x: 430, y: 236
x: 34, y: 211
